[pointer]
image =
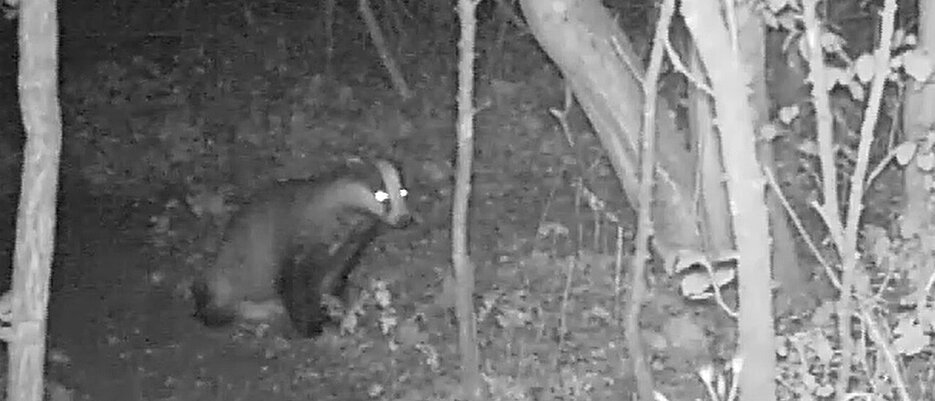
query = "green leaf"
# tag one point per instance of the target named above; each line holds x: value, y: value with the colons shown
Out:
x: 917, y: 64
x: 905, y: 151
x: 925, y: 161
x: 910, y: 337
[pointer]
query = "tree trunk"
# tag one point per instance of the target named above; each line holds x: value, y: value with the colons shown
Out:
x: 746, y: 186
x: 599, y: 63
x: 718, y: 230
x: 35, y: 225
x: 460, y: 255
x: 794, y: 295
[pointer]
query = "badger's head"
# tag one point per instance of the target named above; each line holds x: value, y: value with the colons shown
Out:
x: 380, y: 195
x: 392, y: 195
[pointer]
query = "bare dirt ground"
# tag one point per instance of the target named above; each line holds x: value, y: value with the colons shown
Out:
x: 129, y: 338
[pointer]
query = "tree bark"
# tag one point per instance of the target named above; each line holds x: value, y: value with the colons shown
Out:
x: 719, y: 232
x: 794, y: 294
x: 599, y: 63
x: 460, y: 255
x: 35, y: 225
x: 641, y: 257
x: 729, y: 81
x: 379, y: 42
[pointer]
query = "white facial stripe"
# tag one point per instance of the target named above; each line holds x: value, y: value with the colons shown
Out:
x: 396, y: 193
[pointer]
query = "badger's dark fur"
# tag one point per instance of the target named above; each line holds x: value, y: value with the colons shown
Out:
x: 298, y: 240
x: 314, y: 267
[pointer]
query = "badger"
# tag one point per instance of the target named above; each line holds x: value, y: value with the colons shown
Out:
x: 299, y: 240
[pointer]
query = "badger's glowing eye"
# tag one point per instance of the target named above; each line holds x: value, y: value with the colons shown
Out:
x: 381, y: 196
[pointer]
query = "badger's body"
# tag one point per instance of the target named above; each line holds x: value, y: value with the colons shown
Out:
x: 315, y: 267
x: 298, y: 240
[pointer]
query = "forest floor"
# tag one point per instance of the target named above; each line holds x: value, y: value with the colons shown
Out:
x: 127, y: 332
x: 126, y: 337
x: 121, y: 326
x: 129, y: 336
